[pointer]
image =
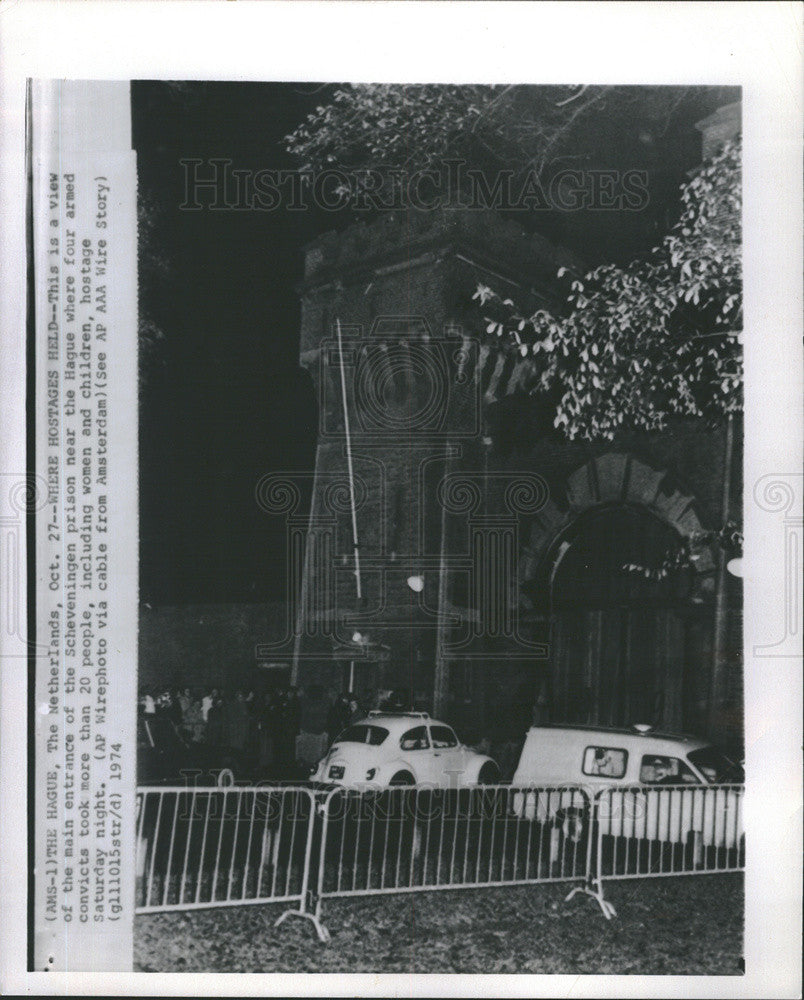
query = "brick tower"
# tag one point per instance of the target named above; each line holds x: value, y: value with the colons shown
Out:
x: 391, y: 558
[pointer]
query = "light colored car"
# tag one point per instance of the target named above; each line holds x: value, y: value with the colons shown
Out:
x: 641, y: 755
x: 407, y: 748
x: 656, y: 781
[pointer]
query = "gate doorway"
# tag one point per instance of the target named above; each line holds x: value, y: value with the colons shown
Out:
x: 623, y: 639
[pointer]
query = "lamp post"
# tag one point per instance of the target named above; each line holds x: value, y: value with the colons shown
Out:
x: 416, y: 583
x: 363, y: 642
x: 358, y: 639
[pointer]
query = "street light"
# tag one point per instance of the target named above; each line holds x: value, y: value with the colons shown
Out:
x: 358, y: 639
x: 735, y: 566
x: 362, y: 641
x: 416, y: 584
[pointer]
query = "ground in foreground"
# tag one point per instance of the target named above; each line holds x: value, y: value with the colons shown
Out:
x: 667, y: 926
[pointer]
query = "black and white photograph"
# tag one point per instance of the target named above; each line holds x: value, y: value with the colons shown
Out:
x: 440, y: 501
x: 393, y: 504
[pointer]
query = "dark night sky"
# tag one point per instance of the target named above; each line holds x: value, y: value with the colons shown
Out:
x: 223, y: 400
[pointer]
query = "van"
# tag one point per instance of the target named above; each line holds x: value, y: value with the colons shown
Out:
x: 597, y: 756
x: 654, y: 779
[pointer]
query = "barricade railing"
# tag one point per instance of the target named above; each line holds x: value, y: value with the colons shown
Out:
x: 228, y: 846
x: 200, y: 847
x: 414, y: 838
x: 644, y: 832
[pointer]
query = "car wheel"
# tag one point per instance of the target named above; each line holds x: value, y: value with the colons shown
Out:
x: 489, y: 774
x: 402, y: 778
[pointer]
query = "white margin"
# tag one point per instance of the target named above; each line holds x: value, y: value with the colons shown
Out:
x: 756, y: 45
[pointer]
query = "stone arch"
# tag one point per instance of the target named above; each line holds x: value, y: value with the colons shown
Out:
x: 611, y: 478
x: 626, y: 653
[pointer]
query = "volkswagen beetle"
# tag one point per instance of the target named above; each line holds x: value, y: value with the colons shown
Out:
x: 406, y: 748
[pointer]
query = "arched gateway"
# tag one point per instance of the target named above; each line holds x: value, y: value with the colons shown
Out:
x: 626, y: 633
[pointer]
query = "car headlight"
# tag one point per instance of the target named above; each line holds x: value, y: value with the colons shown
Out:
x: 370, y: 773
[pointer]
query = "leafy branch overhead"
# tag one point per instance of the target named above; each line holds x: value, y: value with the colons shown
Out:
x: 635, y: 345
x: 685, y: 552
x: 524, y: 128
x: 656, y: 339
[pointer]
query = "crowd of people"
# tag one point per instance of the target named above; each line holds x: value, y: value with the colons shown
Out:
x: 262, y: 727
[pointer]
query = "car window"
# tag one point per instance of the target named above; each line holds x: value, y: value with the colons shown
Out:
x: 609, y: 762
x: 373, y: 735
x: 658, y: 770
x: 415, y: 739
x: 716, y: 767
x: 442, y: 737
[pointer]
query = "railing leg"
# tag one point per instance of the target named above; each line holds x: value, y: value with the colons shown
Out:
x: 593, y: 886
x: 310, y: 902
x: 313, y: 915
x: 595, y: 890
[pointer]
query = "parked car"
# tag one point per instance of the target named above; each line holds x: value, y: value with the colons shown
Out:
x: 581, y: 755
x: 631, y: 763
x: 402, y: 748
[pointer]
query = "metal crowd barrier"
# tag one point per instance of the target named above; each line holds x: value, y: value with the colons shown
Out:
x: 202, y: 847
x: 414, y: 839
x: 667, y: 830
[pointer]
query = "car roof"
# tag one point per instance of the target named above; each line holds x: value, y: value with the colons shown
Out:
x: 394, y: 721
x: 632, y: 731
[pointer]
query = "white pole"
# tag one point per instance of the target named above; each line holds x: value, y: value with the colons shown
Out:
x: 349, y: 464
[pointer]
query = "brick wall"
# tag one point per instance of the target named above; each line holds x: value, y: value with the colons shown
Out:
x: 205, y: 644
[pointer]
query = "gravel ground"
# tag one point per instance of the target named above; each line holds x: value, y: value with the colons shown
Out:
x: 664, y: 926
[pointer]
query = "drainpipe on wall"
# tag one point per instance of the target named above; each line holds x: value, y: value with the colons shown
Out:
x: 716, y: 676
x: 441, y: 673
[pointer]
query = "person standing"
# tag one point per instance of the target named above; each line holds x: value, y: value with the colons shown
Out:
x: 185, y: 700
x: 237, y: 721
x: 291, y: 715
x: 355, y: 711
x: 338, y: 716
x: 194, y: 721
x: 267, y: 729
x: 215, y: 720
x: 172, y: 708
x: 314, y: 711
x: 206, y: 703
